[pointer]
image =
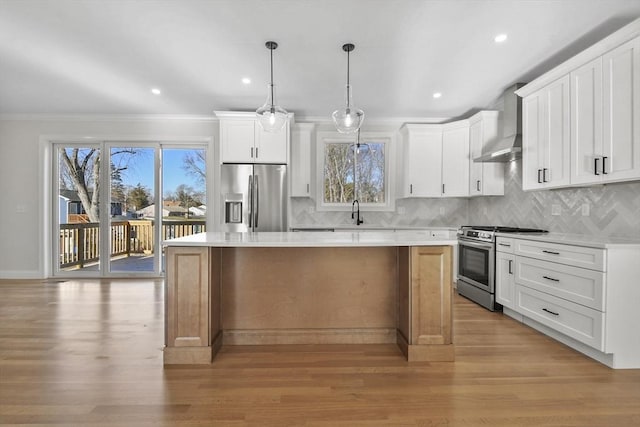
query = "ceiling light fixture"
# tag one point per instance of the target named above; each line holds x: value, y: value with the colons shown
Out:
x: 246, y: 80
x: 271, y: 116
x: 500, y: 38
x: 437, y: 95
x: 350, y: 118
x: 156, y: 91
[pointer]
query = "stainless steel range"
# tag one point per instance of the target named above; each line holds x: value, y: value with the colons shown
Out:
x: 477, y: 262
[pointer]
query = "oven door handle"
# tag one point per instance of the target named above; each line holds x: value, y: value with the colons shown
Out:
x: 465, y: 242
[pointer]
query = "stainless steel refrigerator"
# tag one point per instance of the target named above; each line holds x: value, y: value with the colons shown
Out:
x: 254, y: 197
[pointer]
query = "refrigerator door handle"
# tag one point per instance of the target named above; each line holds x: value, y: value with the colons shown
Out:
x: 250, y: 201
x: 257, y: 205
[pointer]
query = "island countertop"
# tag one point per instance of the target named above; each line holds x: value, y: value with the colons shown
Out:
x: 312, y: 239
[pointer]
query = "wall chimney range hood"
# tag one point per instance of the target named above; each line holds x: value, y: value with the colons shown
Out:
x: 509, y: 146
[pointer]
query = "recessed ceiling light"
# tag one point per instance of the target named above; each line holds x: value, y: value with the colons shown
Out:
x: 437, y: 95
x: 246, y: 80
x: 156, y: 91
x: 500, y: 38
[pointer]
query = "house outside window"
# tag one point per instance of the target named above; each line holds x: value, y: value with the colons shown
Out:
x: 355, y: 169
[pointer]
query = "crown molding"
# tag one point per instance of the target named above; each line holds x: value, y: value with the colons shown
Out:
x: 107, y: 117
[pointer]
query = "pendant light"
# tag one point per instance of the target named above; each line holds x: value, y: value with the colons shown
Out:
x: 271, y: 116
x: 350, y: 118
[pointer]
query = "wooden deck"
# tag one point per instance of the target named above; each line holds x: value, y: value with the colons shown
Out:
x: 132, y: 264
x: 81, y: 353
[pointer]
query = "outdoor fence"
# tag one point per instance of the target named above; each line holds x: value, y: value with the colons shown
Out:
x: 80, y: 243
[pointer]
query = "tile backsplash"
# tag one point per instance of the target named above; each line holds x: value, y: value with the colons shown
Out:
x: 611, y: 210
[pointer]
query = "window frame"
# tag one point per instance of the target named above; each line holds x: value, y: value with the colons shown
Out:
x: 332, y: 137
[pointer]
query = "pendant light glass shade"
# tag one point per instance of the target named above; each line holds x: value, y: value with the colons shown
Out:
x: 271, y: 116
x: 348, y: 119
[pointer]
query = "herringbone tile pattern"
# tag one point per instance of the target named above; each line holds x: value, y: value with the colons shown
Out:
x: 614, y: 210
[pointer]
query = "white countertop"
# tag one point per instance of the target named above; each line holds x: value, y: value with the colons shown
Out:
x: 600, y: 242
x: 312, y: 239
x: 367, y: 227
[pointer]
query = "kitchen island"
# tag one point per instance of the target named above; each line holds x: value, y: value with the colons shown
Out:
x: 308, y: 288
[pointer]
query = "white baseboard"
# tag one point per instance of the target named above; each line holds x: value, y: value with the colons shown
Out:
x: 21, y: 274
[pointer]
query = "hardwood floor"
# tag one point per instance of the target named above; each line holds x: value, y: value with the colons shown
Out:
x: 90, y: 353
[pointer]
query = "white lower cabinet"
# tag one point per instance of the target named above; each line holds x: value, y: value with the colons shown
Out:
x: 574, y: 320
x: 586, y: 297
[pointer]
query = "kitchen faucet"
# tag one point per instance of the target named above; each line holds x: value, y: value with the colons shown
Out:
x: 354, y: 213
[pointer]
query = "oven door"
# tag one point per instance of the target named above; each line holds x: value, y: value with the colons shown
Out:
x: 476, y: 263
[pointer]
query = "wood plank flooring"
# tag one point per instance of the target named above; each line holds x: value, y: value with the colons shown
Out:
x: 84, y: 353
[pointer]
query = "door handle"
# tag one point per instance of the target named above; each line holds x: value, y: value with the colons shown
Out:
x: 442, y: 188
x: 410, y: 188
x: 551, y: 252
x: 539, y: 179
x: 510, y: 266
x: 550, y: 278
x: 595, y: 166
x: 544, y: 175
x: 478, y: 185
x: 257, y: 153
x: 551, y: 312
x: 604, y: 167
x: 307, y: 188
x: 257, y: 206
x: 250, y: 201
x: 252, y: 152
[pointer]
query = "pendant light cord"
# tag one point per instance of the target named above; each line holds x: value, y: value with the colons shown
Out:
x: 271, y: 88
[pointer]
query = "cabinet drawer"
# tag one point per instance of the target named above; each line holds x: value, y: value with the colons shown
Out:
x: 577, y: 256
x: 575, y: 284
x: 504, y: 244
x: 574, y: 320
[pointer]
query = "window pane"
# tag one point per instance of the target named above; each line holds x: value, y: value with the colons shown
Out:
x: 338, y: 173
x: 370, y: 172
x: 351, y: 170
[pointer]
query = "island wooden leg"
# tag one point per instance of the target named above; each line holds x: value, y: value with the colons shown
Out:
x: 188, y: 305
x: 425, y: 303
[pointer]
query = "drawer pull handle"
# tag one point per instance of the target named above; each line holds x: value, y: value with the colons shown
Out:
x: 550, y: 278
x: 510, y: 266
x: 551, y: 252
x: 505, y: 244
x: 550, y: 312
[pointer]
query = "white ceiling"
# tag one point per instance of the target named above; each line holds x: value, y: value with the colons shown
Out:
x: 103, y: 57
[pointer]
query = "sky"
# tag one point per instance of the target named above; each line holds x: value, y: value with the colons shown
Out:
x: 140, y: 169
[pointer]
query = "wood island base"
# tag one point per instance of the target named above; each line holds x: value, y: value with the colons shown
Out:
x: 308, y: 295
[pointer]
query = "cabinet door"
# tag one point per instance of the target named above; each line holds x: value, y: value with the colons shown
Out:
x: 586, y: 123
x: 237, y: 141
x: 505, y: 283
x: 621, y: 104
x: 424, y: 163
x: 271, y: 147
x: 455, y: 161
x: 533, y: 124
x: 300, y: 165
x: 475, y: 150
x: 556, y: 144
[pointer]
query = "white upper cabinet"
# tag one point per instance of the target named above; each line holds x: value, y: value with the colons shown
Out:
x: 455, y: 159
x: 485, y: 179
x: 242, y: 140
x: 300, y: 167
x: 621, y: 105
x: 422, y: 175
x: 545, y: 161
x: 605, y: 96
x: 604, y: 119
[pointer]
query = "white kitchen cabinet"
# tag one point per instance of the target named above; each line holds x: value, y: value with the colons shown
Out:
x: 455, y: 159
x: 242, y: 140
x: 621, y: 105
x: 545, y: 157
x: 422, y: 153
x: 485, y: 179
x: 300, y: 165
x: 505, y: 274
x: 584, y: 296
x: 605, y: 138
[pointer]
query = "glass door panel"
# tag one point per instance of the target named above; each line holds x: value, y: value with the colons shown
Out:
x: 132, y: 244
x: 77, y: 217
x: 184, y: 205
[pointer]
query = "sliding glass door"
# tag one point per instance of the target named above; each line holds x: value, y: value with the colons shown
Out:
x: 114, y: 203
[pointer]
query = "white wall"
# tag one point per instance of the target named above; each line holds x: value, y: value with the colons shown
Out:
x: 21, y: 174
